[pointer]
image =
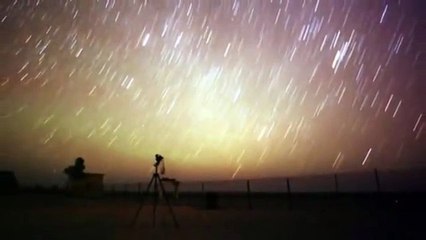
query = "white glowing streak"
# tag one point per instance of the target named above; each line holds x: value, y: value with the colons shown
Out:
x: 171, y: 107
x: 384, y: 13
x: 145, y: 39
x: 92, y: 91
x: 179, y: 38
x: 241, y: 156
x: 79, y: 111
x: 262, y: 156
x: 130, y: 83
x: 4, y: 82
x: 250, y: 15
x: 261, y: 134
x: 341, y: 95
x: 313, y: 73
x: 397, y: 108
x: 105, y: 123
x: 375, y: 98
x: 377, y: 73
x: 401, y: 148
x: 288, y: 131
x: 302, y: 33
x: 278, y: 16
x: 227, y: 50
x: 366, y: 157
x: 293, y: 53
x: 335, y: 40
x: 51, y: 135
x: 28, y: 38
x: 387, y: 105
x: 338, y: 158
x: 316, y: 6
x: 398, y: 46
x: 22, y: 78
x: 78, y: 53
x: 209, y: 36
x: 189, y: 10
x: 140, y: 9
x: 323, y: 43
x: 417, y: 123
x: 336, y: 60
x: 164, y: 30
x: 303, y: 98
x: 236, y: 171
x: 117, y: 17
x: 116, y: 128
x: 235, y: 7
x: 363, y: 102
x: 237, y: 95
x: 48, y: 119
x: 23, y: 67
x: 112, y: 141
x: 91, y: 133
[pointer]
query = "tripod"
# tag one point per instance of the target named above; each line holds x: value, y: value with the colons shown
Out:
x: 156, y: 179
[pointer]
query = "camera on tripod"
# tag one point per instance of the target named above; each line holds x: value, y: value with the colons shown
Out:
x: 157, y: 181
x: 158, y: 159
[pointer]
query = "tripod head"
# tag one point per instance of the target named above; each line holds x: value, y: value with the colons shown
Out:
x: 158, y: 160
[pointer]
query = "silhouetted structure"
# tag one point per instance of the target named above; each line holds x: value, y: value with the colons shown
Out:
x: 91, y: 185
x: 8, y: 182
x: 83, y: 184
x: 76, y: 171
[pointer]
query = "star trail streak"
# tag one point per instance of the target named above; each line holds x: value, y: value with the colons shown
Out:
x: 222, y: 89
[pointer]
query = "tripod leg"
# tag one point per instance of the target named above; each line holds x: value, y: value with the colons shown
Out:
x: 168, y: 204
x: 135, y: 218
x: 155, y: 200
x: 176, y: 190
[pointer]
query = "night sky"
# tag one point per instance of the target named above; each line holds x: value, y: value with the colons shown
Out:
x: 222, y: 89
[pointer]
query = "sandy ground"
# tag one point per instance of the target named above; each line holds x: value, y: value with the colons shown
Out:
x: 58, y: 217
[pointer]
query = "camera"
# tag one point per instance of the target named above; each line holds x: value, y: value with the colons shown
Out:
x: 158, y: 159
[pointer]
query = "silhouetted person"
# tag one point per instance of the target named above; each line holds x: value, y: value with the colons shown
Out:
x: 76, y: 171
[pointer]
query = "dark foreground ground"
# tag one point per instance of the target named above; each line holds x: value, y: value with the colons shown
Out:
x: 55, y: 216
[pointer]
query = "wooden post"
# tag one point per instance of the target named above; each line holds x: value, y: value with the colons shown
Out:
x: 378, y: 193
x: 336, y: 183
x: 376, y: 175
x: 289, y: 194
x: 250, y: 206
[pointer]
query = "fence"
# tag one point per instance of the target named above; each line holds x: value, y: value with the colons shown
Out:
x: 236, y: 193
x: 374, y: 181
